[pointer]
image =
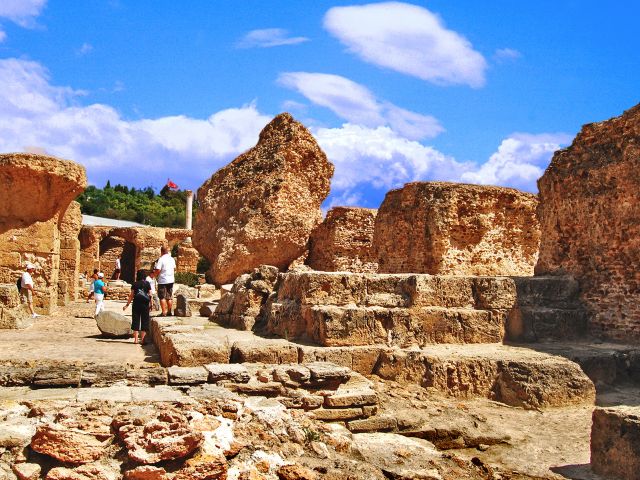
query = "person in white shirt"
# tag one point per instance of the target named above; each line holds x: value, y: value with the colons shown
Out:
x: 116, y: 272
x: 26, y: 288
x: 155, y: 301
x: 165, y: 269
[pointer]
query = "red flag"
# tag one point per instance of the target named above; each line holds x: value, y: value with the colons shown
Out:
x: 171, y: 185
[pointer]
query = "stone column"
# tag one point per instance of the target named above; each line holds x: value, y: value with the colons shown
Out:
x: 189, y: 210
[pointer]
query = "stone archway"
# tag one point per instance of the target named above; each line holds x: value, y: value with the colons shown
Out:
x: 110, y: 248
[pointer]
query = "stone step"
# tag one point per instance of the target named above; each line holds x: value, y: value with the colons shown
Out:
x: 332, y: 326
x: 537, y: 324
x: 512, y: 375
x: 548, y: 291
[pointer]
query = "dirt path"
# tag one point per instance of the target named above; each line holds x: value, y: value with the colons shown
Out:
x: 70, y: 334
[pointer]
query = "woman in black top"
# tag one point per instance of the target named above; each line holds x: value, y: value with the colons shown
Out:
x: 140, y: 295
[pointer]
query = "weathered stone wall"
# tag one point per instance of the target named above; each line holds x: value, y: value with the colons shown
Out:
x: 36, y: 192
x: 187, y: 258
x: 343, y: 241
x: 69, y: 254
x: 589, y: 197
x: 262, y: 207
x: 457, y: 229
x: 140, y: 246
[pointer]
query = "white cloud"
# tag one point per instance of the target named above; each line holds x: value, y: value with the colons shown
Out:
x: 519, y: 161
x: 85, y: 49
x: 37, y: 115
x: 409, y: 39
x: 505, y: 54
x: 269, y: 37
x: 380, y: 158
x: 21, y: 12
x: 358, y: 105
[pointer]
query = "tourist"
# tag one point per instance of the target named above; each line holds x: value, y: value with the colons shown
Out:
x: 140, y: 295
x: 116, y: 272
x: 93, y: 278
x: 27, y: 291
x: 164, y: 272
x: 155, y: 301
x: 99, y: 289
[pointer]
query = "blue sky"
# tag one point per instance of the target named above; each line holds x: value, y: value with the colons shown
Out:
x: 481, y: 92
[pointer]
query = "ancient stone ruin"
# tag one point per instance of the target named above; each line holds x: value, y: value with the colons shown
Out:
x: 342, y: 242
x: 139, y: 248
x: 457, y: 229
x: 261, y: 208
x: 34, y: 223
x: 413, y: 343
x: 590, y: 225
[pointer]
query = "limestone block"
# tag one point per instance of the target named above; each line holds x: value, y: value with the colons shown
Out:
x: 113, y: 324
x: 343, y: 241
x: 615, y: 442
x: 187, y: 375
x: 227, y: 372
x: 262, y: 207
x: 457, y: 229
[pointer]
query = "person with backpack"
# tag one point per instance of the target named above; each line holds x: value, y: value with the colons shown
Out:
x: 140, y: 295
x: 25, y: 285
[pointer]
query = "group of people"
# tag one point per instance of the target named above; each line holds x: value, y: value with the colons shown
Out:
x: 144, y: 296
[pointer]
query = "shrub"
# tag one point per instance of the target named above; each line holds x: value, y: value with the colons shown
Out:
x: 187, y: 278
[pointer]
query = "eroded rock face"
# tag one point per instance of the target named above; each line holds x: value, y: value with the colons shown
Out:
x: 243, y: 305
x: 457, y: 229
x: 343, y: 241
x: 262, y: 207
x: 37, y: 191
x: 67, y: 445
x: 590, y: 224
x: 69, y: 254
x: 615, y: 442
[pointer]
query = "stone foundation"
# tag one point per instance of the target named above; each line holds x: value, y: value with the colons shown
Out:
x: 343, y: 241
x: 615, y: 442
x: 457, y: 229
x: 590, y: 225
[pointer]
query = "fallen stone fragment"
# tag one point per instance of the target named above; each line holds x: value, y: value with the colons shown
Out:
x: 295, y: 472
x: 230, y: 372
x: 84, y: 472
x: 182, y: 306
x: 167, y: 437
x: 615, y: 442
x: 66, y: 445
x: 113, y: 324
x: 187, y: 375
x: 27, y: 471
x: 205, y: 467
x: 146, y: 472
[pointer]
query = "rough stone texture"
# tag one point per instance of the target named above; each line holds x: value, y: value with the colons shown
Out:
x: 343, y: 241
x: 67, y: 445
x: 139, y: 248
x: 590, y: 222
x: 84, y: 472
x: 245, y: 304
x: 165, y: 437
x: 37, y: 191
x: 182, y: 306
x: 12, y: 313
x: 457, y: 229
x: 187, y: 257
x: 70, y: 253
x: 517, y: 377
x: 615, y: 442
x: 262, y: 207
x: 113, y: 324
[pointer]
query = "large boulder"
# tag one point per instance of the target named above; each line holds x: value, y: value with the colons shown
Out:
x: 113, y: 324
x: 262, y: 207
x: 343, y: 241
x: 590, y: 222
x: 457, y: 229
